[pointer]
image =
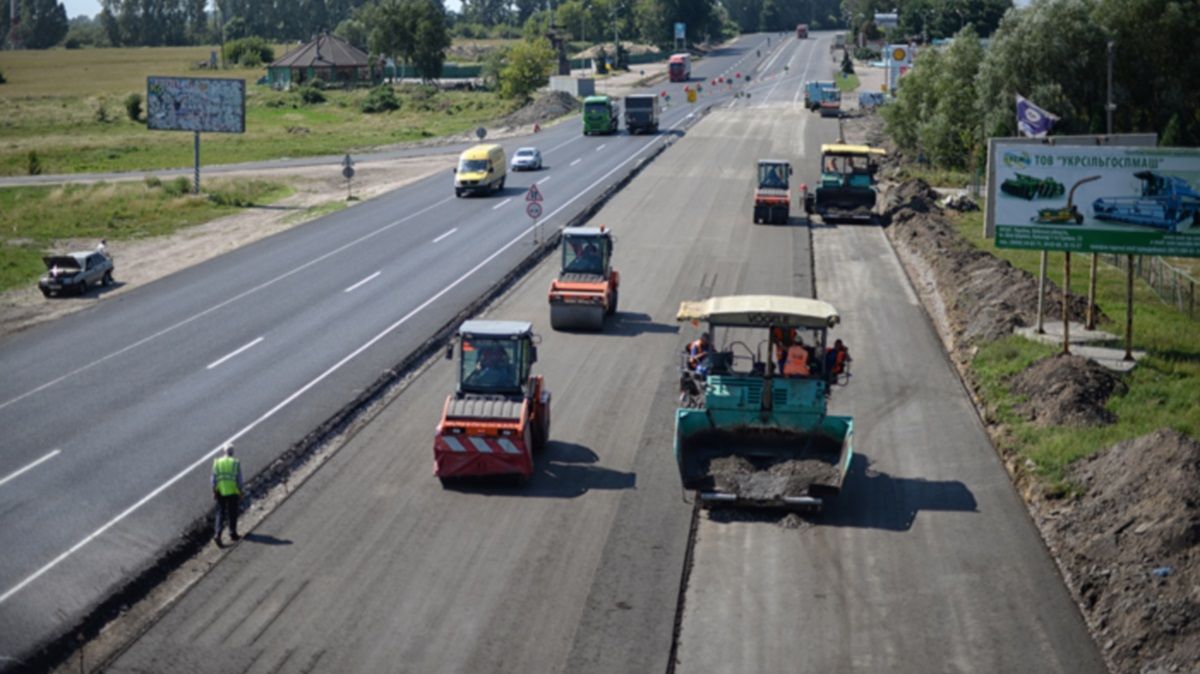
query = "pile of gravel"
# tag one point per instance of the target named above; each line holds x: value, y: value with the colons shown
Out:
x: 547, y: 107
x: 1063, y: 390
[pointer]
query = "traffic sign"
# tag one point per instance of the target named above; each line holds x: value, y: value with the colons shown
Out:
x: 347, y: 162
x: 691, y: 96
x: 480, y: 133
x: 534, y: 194
x: 348, y: 172
x: 533, y: 209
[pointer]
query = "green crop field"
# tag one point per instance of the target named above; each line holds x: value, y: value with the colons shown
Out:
x: 67, y: 107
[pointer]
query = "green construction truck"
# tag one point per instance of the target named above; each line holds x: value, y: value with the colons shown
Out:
x: 600, y: 115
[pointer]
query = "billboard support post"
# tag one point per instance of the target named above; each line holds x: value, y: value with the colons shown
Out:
x: 196, y: 152
x: 1129, y: 309
x: 1066, y: 303
x: 1090, y: 321
x: 1041, y: 293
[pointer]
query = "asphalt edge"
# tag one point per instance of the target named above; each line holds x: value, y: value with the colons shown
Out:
x: 58, y: 653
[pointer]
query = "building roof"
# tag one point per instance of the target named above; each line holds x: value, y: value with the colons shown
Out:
x: 325, y: 51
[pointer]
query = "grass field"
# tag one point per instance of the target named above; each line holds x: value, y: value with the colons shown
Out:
x: 66, y: 105
x: 846, y: 83
x: 1163, y: 390
x: 32, y: 219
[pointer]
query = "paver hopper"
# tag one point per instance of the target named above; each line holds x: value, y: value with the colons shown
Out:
x: 746, y: 433
x: 586, y: 289
x: 500, y: 413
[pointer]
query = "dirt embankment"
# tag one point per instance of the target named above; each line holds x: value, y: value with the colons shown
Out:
x: 1128, y: 543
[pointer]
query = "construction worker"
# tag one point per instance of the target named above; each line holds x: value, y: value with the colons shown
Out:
x: 227, y: 492
x: 697, y: 353
x: 783, y: 338
x: 836, y: 360
x: 494, y: 368
x: 796, y: 363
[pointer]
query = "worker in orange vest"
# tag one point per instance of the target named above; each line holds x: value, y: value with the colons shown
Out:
x: 796, y: 364
x: 783, y: 338
x: 836, y: 359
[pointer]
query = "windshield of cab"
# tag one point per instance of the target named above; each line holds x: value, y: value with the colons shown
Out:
x: 473, y: 166
x: 595, y: 110
x: 491, y: 364
x: 584, y: 254
x: 773, y: 176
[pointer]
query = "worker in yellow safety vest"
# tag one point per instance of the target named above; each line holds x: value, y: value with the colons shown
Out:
x: 227, y: 492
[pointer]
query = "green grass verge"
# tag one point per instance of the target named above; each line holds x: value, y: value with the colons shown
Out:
x: 32, y: 219
x: 320, y: 210
x: 936, y: 177
x: 846, y: 83
x: 1163, y: 391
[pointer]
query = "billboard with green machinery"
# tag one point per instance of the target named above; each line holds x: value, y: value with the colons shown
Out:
x: 1101, y: 199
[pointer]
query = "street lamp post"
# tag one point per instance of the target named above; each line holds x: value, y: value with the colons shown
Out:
x: 1109, y: 108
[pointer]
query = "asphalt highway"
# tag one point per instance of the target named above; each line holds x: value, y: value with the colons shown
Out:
x: 927, y: 562
x: 111, y: 416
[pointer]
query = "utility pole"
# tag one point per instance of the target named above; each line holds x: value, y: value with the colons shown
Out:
x: 220, y: 29
x: 1109, y: 108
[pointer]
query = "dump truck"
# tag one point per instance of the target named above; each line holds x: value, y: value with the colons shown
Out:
x: 500, y: 413
x: 1166, y: 202
x: 587, y: 287
x: 847, y: 187
x: 817, y: 92
x: 600, y: 115
x: 745, y: 434
x: 641, y: 113
x: 772, y: 200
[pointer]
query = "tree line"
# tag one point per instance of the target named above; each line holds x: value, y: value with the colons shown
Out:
x: 1055, y: 52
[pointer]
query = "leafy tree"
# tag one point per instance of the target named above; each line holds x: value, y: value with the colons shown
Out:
x: 133, y: 106
x: 487, y: 12
x: 391, y: 30
x: 43, y: 23
x: 526, y: 8
x: 249, y: 51
x: 943, y: 18
x: 493, y: 65
x: 650, y: 23
x: 430, y: 38
x: 529, y: 66
x: 352, y: 30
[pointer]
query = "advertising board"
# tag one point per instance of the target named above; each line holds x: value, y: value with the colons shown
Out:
x: 1095, y: 199
x: 208, y: 104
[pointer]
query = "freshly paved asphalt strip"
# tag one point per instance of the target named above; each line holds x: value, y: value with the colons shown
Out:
x: 123, y: 392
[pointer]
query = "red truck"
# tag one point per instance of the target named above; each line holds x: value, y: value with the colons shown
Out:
x: 802, y: 31
x: 680, y: 67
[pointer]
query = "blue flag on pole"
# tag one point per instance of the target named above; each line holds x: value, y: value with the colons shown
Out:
x: 1032, y: 120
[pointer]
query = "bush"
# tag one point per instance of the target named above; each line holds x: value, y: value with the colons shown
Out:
x: 318, y: 83
x: 867, y: 54
x: 310, y: 95
x: 101, y: 111
x: 133, y: 106
x: 2, y: 80
x: 178, y: 187
x: 72, y: 43
x: 153, y: 182
x: 381, y: 99
x: 34, y: 164
x: 249, y: 51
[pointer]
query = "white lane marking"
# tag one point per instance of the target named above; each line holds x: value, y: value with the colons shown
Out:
x: 319, y: 378
x: 564, y: 143
x: 604, y: 145
x: 545, y: 180
x: 576, y: 162
x: 224, y: 304
x: 226, y: 357
x: 31, y: 466
x: 367, y: 279
x: 445, y: 235
x: 804, y: 75
x: 497, y: 206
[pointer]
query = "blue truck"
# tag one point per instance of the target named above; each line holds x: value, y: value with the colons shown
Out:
x: 822, y: 95
x: 1166, y: 202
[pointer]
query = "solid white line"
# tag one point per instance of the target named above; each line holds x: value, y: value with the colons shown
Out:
x: 445, y: 235
x: 231, y: 355
x: 31, y: 466
x: 576, y: 162
x: 601, y: 147
x: 302, y: 390
x: 366, y: 280
x: 224, y: 304
x: 497, y: 206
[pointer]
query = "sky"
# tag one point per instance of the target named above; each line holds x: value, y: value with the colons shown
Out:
x: 92, y: 7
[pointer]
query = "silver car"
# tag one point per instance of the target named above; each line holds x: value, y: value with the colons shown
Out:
x: 527, y: 159
x: 75, y: 272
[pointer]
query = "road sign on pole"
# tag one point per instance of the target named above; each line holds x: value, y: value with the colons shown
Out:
x: 534, y: 194
x: 534, y: 209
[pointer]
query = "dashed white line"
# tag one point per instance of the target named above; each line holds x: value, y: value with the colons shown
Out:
x: 364, y: 281
x: 445, y: 235
x: 31, y: 466
x: 497, y: 206
x: 576, y: 161
x: 226, y: 357
x: 545, y: 180
x: 601, y: 147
